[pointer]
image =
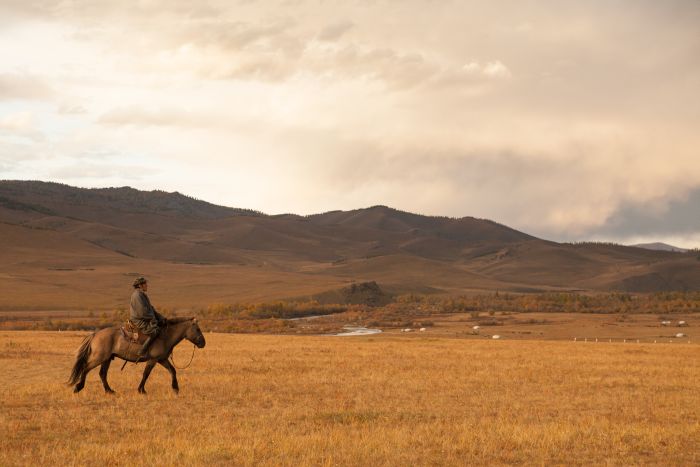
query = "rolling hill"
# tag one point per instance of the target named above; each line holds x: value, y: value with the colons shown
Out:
x: 661, y: 246
x: 66, y: 247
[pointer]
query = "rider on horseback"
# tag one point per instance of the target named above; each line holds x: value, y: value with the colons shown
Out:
x: 143, y: 315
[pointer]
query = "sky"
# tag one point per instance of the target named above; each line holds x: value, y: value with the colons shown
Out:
x: 569, y: 120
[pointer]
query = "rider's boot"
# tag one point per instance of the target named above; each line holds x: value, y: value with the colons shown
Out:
x: 146, y: 345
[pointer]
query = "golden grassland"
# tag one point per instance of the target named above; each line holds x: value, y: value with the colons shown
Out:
x: 373, y: 400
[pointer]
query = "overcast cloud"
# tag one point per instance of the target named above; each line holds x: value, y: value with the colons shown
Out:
x: 566, y: 119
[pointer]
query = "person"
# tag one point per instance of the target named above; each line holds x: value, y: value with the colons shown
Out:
x: 143, y: 315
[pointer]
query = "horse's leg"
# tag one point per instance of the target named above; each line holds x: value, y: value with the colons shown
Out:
x: 103, y: 375
x: 146, y: 372
x: 81, y: 384
x: 96, y: 358
x: 92, y: 363
x: 168, y: 366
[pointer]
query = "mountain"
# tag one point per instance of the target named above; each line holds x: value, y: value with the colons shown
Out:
x: 658, y: 246
x: 66, y: 247
x: 44, y: 197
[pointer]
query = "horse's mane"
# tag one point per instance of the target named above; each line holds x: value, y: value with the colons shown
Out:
x: 180, y: 319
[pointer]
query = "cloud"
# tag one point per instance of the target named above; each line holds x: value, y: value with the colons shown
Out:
x: 14, y: 154
x: 496, y: 69
x: 102, y: 172
x: 278, y: 54
x: 661, y: 217
x: 20, y: 86
x: 136, y: 116
x: 239, y: 35
x: 528, y: 191
x: 396, y: 69
x: 335, y: 31
x: 71, y: 109
x: 21, y: 124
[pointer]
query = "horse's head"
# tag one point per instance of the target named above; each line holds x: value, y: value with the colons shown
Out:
x: 194, y: 334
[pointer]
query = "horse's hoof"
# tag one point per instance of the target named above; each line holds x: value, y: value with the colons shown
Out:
x: 109, y: 391
x: 76, y: 390
x: 176, y: 390
x: 142, y: 391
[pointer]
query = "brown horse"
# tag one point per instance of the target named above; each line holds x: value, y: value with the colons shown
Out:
x: 100, y: 348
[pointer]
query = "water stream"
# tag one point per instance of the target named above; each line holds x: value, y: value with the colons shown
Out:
x: 358, y: 331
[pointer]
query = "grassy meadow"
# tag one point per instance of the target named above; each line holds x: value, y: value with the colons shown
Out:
x: 372, y: 400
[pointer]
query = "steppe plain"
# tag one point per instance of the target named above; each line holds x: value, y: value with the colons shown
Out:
x: 373, y: 400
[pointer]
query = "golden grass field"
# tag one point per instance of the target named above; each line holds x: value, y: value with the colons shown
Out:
x: 374, y: 400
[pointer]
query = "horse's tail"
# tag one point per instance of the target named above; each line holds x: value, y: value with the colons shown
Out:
x: 81, y: 359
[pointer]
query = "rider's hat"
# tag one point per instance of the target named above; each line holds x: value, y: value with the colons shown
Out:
x: 139, y: 281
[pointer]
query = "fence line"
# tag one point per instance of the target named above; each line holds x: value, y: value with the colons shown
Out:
x: 624, y: 340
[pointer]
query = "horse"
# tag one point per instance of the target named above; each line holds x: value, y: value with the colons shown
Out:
x: 100, y: 348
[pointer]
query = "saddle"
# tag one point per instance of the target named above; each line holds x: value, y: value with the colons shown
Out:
x: 132, y: 333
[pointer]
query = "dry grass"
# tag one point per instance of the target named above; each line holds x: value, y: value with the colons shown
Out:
x: 251, y: 400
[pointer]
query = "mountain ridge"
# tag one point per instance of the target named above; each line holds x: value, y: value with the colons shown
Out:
x: 202, y: 251
x: 125, y: 197
x: 660, y: 246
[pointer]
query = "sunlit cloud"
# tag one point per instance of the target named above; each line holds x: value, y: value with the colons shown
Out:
x: 20, y: 125
x: 335, y: 31
x: 15, y: 86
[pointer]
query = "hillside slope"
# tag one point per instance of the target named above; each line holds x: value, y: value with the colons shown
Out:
x: 56, y: 237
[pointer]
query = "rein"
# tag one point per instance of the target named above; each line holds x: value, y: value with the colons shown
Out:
x: 172, y: 359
